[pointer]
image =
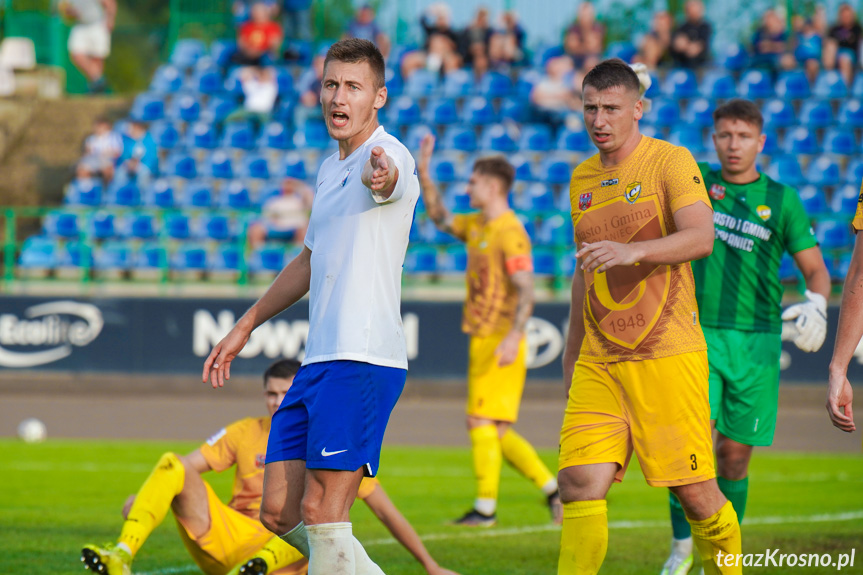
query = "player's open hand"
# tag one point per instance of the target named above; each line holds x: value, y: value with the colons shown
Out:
x: 839, y: 396
x: 604, y: 255
x: 217, y: 368
x: 426, y: 151
x: 507, y: 351
x: 382, y: 170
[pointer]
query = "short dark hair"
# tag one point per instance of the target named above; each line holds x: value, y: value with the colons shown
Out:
x: 355, y: 51
x: 497, y: 167
x: 739, y: 109
x: 282, y: 369
x: 611, y: 73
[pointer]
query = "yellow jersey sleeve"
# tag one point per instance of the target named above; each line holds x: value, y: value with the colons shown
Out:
x: 684, y: 184
x: 367, y: 486
x: 857, y: 223
x: 515, y: 245
x: 221, y: 449
x: 461, y: 224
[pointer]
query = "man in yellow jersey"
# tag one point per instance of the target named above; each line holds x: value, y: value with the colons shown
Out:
x: 635, y: 361
x: 230, y: 538
x: 499, y: 303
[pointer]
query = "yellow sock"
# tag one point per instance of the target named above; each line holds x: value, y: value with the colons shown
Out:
x: 584, y: 539
x: 277, y: 554
x: 718, y: 533
x: 524, y: 458
x: 487, y: 461
x: 153, y: 501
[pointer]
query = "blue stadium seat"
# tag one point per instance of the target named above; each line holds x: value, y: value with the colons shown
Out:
x: 787, y: 269
x: 718, y: 85
x: 269, y: 258
x: 184, y: 107
x: 240, y: 136
x: 813, y: 199
x: 688, y: 137
x: 181, y: 164
x: 189, y: 257
x: 544, y: 262
x: 207, y: 80
x: 444, y: 169
x: 529, y: 226
x: 653, y: 91
x: 699, y: 113
x: 257, y: 167
x: 535, y: 138
x: 779, y: 113
x: 294, y: 166
x: 218, y: 165
x: 457, y: 84
x: 498, y: 139
x: 833, y: 234
x: 566, y: 263
x: 555, y: 231
x: 857, y: 87
x: 564, y: 203
x: 457, y: 199
x: 404, y: 112
x: 112, y: 255
x: 394, y: 84
x: 186, y: 52
x: 416, y: 134
x: 177, y: 226
x: 161, y: 194
x: 537, y: 197
x: 525, y: 83
x: 461, y: 138
x: 816, y: 114
x: 626, y: 51
x: 495, y: 85
x: 829, y: 84
x: 755, y: 85
x: 198, y: 194
x: 285, y: 82
x: 166, y: 134
x: 842, y: 267
x: 771, y: 142
x: 202, y: 135
x: 233, y: 86
x: 61, y: 225
x: 101, y: 225
x: 574, y: 141
x: 851, y: 113
x: 421, y: 259
x: 733, y: 57
x: 214, y: 227
x: 83, y: 192
x: 840, y: 141
x: 126, y: 195
x: 147, y: 107
x: 236, y: 196
x: 221, y: 51
x: 140, y: 226
x: 452, y: 259
x: 478, y: 111
x: 218, y: 108
x: 225, y: 258
x: 284, y: 111
x: 38, y: 252
x: 76, y: 254
x: 441, y: 111
x: 844, y: 200
x: 167, y: 80
x: 555, y: 170
x: 421, y: 84
x: 313, y: 135
x: 515, y: 110
x: 824, y: 171
x: 800, y: 140
x: 276, y: 136
x: 523, y: 167
x: 786, y: 169
x: 680, y: 84
x: 793, y: 85
x: 854, y: 172
x: 150, y: 256
x: 663, y: 113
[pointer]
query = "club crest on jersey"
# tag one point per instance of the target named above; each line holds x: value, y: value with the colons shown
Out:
x: 717, y: 192
x: 764, y: 212
x: 345, y: 179
x: 606, y: 183
x: 633, y: 191
x: 584, y: 201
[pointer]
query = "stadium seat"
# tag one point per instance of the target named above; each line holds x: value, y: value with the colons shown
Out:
x: 840, y: 141
x: 177, y: 226
x: 829, y: 84
x: 800, y: 140
x: 182, y: 165
x: 140, y: 226
x: 312, y: 135
x: 457, y: 199
x: 663, y: 113
x: 61, y: 225
x: 421, y: 259
x: 202, y: 135
x: 276, y: 136
x: 515, y: 110
x: 294, y: 166
x: 574, y: 141
x: 404, y: 112
x: 218, y: 165
x: 680, y: 84
x: 461, y: 138
x: 452, y: 259
x: 555, y: 231
x: 126, y: 195
x: 833, y: 234
x: 844, y: 200
x: 38, y: 252
x: 284, y: 111
x: 189, y: 257
x: 755, y: 85
x: 225, y: 258
x: 555, y: 170
x: 718, y: 85
x: 285, y: 82
x: 167, y: 80
x: 75, y: 254
x: 184, y: 107
x: 394, y: 83
x: 236, y: 196
x: 525, y: 83
x: 421, y: 84
x: 523, y: 167
x: 221, y: 51
x: 793, y: 85
x: 457, y: 84
x: 688, y: 137
x: 160, y: 194
x: 840, y: 271
x: 495, y: 85
x: 857, y: 87
x: 786, y: 170
x: 771, y: 142
x: 186, y: 52
x: 415, y: 135
x: 816, y: 114
x: 813, y: 199
x: 779, y: 113
x: 444, y: 169
x: 257, y: 167
x: 699, y: 113
x: 566, y: 263
x: 218, y: 108
x: 497, y: 138
x: 851, y: 113
x: 823, y: 171
x: 535, y: 138
x: 441, y: 112
x: 564, y: 203
x: 198, y: 194
x: 147, y: 107
x: 626, y: 51
x: 733, y: 57
x: 101, y: 225
x: 166, y: 134
x: 478, y: 111
x: 268, y: 258
x: 83, y: 192
x: 112, y: 255
x: 544, y: 262
x: 787, y: 269
x: 214, y: 227
x: 537, y: 197
x: 239, y: 136
x: 150, y: 256
x: 854, y: 172
x: 207, y: 80
x: 653, y: 91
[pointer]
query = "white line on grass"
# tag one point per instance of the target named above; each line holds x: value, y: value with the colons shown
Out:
x: 770, y: 520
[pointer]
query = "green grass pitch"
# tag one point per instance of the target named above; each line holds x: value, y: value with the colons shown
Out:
x: 61, y: 494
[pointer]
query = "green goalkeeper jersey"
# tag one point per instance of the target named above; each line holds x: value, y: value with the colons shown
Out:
x: 738, y: 285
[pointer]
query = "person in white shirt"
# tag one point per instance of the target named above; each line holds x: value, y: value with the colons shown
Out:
x: 285, y: 216
x: 260, y: 92
x: 328, y: 431
x: 102, y: 149
x: 90, y: 38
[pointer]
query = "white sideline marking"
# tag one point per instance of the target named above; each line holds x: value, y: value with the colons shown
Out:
x: 769, y: 520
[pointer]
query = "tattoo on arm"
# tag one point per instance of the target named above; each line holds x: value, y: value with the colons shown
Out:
x: 523, y: 282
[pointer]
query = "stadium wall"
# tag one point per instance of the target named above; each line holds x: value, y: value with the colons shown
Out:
x: 174, y: 335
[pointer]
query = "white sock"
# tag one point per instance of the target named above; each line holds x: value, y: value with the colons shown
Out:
x: 681, y: 547
x: 550, y: 487
x: 365, y: 566
x: 297, y: 538
x: 125, y: 548
x: 332, y: 549
x: 485, y: 505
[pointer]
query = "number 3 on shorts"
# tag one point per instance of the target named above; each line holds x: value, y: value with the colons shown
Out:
x: 694, y: 465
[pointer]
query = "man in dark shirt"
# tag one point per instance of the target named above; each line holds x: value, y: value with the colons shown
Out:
x: 690, y: 43
x: 770, y: 43
x: 843, y: 42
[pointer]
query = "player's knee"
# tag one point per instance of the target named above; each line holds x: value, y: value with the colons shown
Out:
x: 579, y: 484
x: 312, y: 510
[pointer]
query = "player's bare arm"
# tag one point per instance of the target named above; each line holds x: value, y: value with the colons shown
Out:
x: 507, y: 351
x: 291, y: 284
x: 848, y: 335
x: 692, y: 240
x: 435, y: 208
x: 380, y: 174
x: 575, y: 330
x: 388, y: 514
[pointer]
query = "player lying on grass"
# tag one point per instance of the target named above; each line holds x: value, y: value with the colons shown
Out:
x: 739, y: 293
x: 498, y: 305
x: 230, y: 538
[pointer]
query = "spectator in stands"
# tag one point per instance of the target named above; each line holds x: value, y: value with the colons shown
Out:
x: 585, y: 38
x: 139, y: 161
x: 770, y: 47
x: 297, y: 19
x: 843, y: 43
x: 555, y: 96
x: 309, y: 89
x: 285, y: 216
x: 89, y: 42
x: 506, y: 44
x: 655, y: 46
x: 439, y: 51
x: 363, y: 26
x: 102, y: 149
x: 259, y: 38
x: 260, y: 92
x: 690, y: 42
x: 474, y: 41
x: 810, y: 35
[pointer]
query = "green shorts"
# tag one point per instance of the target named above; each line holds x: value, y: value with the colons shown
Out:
x: 744, y: 383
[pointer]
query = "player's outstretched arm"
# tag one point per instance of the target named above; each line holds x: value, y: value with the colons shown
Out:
x: 380, y: 173
x: 848, y: 334
x: 435, y: 208
x: 507, y: 351
x: 810, y: 317
x: 575, y: 330
x: 388, y: 514
x: 287, y: 289
x: 693, y: 240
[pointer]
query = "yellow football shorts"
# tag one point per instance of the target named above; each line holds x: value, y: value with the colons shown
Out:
x: 233, y: 537
x: 658, y: 407
x: 494, y: 392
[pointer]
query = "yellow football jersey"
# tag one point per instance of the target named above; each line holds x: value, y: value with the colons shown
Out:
x: 857, y: 223
x: 495, y: 250
x: 642, y: 311
x: 244, y: 444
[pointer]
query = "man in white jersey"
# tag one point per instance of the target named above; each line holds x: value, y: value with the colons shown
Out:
x: 328, y: 430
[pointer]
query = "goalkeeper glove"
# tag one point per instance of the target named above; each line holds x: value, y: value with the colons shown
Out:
x: 810, y: 319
